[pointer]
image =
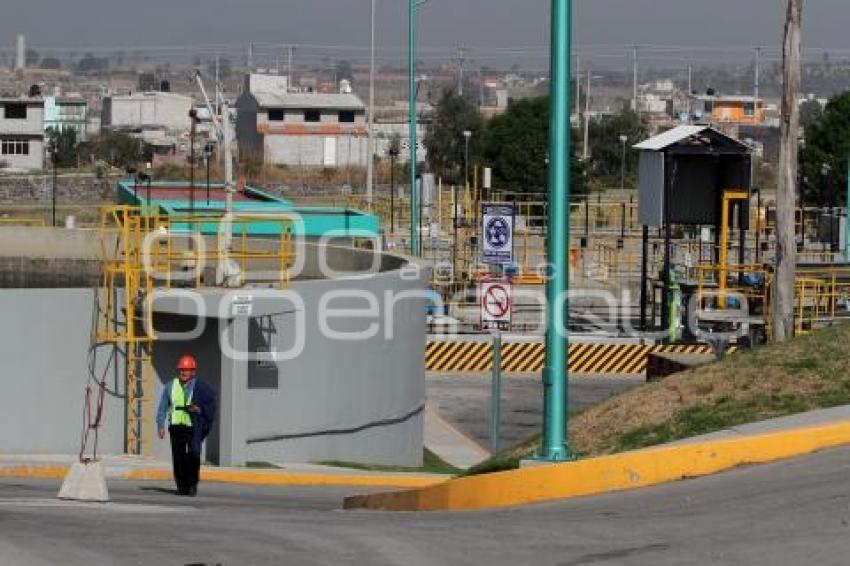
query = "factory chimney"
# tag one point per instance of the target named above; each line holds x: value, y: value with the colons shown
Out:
x: 21, y: 59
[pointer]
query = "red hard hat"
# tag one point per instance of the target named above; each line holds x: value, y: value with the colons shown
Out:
x: 187, y: 362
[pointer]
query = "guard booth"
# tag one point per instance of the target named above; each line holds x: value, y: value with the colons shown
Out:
x: 692, y: 176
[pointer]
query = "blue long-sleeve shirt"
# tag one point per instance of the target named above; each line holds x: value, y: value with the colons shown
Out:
x: 165, y: 401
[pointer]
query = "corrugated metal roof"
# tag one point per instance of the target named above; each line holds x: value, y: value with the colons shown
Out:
x: 670, y: 137
x: 308, y: 100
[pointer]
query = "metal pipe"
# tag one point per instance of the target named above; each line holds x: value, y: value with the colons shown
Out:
x: 555, y: 373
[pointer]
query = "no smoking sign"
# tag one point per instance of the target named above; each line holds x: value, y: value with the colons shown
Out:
x: 495, y: 299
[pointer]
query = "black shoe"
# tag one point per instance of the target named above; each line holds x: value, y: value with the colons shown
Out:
x: 192, y: 491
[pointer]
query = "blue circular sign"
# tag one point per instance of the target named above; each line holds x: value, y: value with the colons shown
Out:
x: 498, y: 233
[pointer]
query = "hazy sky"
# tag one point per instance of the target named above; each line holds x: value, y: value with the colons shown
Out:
x: 443, y: 23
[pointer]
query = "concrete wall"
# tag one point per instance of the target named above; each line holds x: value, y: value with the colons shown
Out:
x: 34, y: 159
x: 33, y: 125
x: 309, y: 150
x: 164, y: 109
x: 44, y: 344
x: 339, y: 399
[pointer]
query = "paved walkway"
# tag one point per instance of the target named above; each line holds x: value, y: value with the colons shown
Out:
x: 450, y: 444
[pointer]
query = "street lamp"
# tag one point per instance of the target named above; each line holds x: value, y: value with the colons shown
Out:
x: 412, y: 6
x: 555, y: 446
x: 466, y: 137
x: 193, y: 117
x: 54, y: 152
x: 825, y: 170
x: 393, y: 152
x: 208, y: 151
x: 623, y: 139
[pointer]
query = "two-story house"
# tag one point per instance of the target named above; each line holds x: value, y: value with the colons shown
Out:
x: 22, y: 133
x: 732, y: 110
x: 66, y: 113
x: 307, y: 129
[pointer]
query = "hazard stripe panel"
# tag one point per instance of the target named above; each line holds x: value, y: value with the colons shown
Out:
x: 529, y: 357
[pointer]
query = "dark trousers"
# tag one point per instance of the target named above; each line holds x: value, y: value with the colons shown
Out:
x: 186, y: 465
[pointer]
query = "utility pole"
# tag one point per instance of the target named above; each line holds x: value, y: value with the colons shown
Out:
x: 578, y: 87
x: 786, y: 246
x: 555, y: 446
x: 690, y: 92
x: 251, y: 57
x: 635, y: 79
x: 756, y: 84
x: 461, y: 60
x: 586, y: 148
x: 370, y: 144
x: 291, y: 50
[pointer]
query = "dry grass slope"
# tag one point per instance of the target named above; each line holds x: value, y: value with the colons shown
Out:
x: 810, y: 372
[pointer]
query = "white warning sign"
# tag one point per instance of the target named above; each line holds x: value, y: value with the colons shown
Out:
x: 495, y: 298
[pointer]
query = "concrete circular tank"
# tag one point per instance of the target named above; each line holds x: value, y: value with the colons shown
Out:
x: 329, y: 368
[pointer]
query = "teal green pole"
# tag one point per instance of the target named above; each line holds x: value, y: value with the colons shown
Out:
x: 411, y: 70
x: 555, y: 446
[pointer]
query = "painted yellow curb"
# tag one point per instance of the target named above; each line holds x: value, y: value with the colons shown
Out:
x: 35, y: 472
x: 617, y: 472
x: 250, y: 477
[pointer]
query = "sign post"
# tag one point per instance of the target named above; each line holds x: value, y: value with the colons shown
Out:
x: 496, y: 393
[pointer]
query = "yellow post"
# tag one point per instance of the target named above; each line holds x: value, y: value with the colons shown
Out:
x: 729, y: 196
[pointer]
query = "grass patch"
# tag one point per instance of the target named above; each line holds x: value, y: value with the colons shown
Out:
x: 807, y: 373
x: 431, y: 464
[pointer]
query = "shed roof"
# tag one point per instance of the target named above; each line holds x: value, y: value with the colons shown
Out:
x: 681, y: 133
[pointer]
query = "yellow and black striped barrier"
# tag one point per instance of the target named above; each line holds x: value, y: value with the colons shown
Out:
x: 528, y: 357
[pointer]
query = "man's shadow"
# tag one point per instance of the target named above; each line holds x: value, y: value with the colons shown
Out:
x: 170, y: 491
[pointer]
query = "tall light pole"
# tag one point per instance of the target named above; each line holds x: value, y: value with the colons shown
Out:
x: 370, y: 145
x: 412, y: 6
x: 466, y: 137
x: 207, y: 157
x: 54, y: 154
x: 555, y: 446
x: 393, y: 155
x: 623, y: 139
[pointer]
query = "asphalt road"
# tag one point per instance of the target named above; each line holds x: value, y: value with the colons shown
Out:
x: 464, y: 401
x: 792, y: 513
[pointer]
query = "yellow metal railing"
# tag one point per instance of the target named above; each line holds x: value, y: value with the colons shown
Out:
x: 142, y: 250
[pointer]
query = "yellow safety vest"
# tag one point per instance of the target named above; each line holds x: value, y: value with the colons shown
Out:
x: 178, y: 399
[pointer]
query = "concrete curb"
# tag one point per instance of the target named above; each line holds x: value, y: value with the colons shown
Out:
x: 246, y: 477
x: 606, y: 474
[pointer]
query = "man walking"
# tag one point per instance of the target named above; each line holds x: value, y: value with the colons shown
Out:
x: 189, y: 406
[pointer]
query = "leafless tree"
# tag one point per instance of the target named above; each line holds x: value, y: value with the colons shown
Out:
x: 786, y: 246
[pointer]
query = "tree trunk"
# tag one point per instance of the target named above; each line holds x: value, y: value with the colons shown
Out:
x: 786, y: 246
